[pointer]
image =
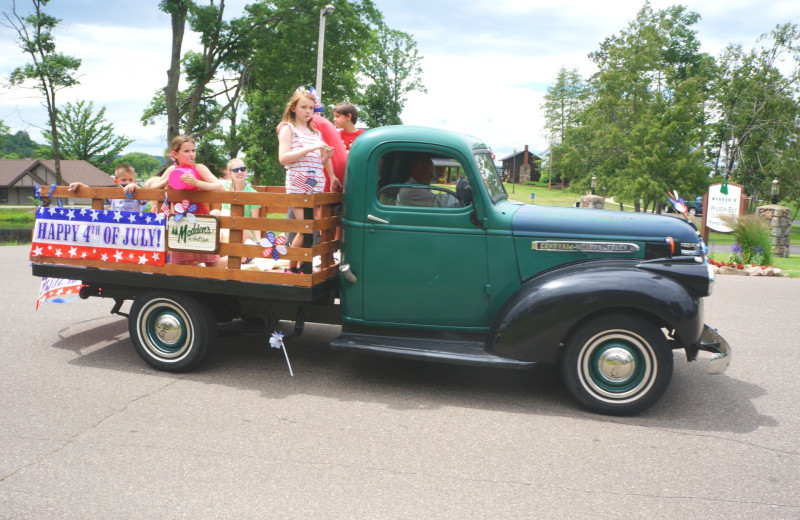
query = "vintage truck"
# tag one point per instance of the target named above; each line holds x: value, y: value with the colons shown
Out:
x: 607, y: 295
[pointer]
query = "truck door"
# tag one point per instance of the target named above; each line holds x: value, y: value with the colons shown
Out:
x: 425, y: 262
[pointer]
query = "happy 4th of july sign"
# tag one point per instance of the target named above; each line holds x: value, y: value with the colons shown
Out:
x: 109, y: 236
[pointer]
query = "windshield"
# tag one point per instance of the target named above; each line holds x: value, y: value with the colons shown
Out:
x: 494, y: 186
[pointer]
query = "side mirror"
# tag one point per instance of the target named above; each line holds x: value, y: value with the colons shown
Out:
x: 464, y: 191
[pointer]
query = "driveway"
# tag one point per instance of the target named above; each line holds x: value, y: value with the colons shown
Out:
x: 88, y: 430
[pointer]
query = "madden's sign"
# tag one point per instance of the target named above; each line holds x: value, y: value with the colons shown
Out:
x: 721, y: 205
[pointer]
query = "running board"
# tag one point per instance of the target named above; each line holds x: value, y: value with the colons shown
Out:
x: 454, y: 352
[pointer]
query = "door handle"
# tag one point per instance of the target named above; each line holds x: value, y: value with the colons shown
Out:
x: 377, y: 219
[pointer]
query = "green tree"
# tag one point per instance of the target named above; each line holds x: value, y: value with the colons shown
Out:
x: 643, y: 128
x: 3, y: 135
x: 562, y: 107
x: 755, y: 137
x: 394, y: 71
x: 218, y: 73
x: 177, y: 10
x: 145, y: 164
x: 88, y: 136
x: 19, y: 144
x: 284, y: 58
x: 250, y: 66
x: 50, y: 71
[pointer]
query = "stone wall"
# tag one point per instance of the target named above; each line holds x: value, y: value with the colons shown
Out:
x: 779, y: 219
x: 592, y: 202
x: 524, y: 173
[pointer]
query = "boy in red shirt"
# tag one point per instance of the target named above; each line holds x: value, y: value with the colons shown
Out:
x: 345, y: 117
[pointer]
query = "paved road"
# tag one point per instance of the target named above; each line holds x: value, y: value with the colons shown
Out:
x: 87, y: 430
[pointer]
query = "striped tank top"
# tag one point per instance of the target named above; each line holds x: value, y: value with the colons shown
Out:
x: 307, y: 174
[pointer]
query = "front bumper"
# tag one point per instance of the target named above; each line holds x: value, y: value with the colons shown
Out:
x: 711, y: 341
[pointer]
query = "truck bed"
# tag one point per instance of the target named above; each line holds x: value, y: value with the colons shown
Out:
x: 129, y: 278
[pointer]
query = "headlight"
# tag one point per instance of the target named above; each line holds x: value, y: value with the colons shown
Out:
x: 711, y: 278
x: 693, y: 249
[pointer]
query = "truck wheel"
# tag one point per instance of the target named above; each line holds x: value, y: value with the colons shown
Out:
x: 617, y: 364
x: 693, y: 212
x: 171, y: 332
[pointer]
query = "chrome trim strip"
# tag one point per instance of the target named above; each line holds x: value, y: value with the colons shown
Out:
x: 584, y: 246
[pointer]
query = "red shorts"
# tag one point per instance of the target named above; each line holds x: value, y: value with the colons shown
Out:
x: 183, y: 258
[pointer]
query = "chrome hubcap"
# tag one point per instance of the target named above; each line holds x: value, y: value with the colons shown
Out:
x: 168, y: 329
x: 616, y: 365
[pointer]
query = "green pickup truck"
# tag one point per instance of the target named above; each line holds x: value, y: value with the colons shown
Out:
x: 476, y: 280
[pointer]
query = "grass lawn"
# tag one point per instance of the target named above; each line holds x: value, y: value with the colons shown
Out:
x: 17, y: 216
x: 790, y: 266
x: 543, y: 196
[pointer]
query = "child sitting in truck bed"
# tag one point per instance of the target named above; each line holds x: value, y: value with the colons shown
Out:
x: 183, y: 151
x: 125, y: 177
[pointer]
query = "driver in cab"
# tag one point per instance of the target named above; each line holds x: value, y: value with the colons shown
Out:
x: 422, y: 173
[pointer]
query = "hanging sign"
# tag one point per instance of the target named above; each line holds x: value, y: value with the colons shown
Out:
x: 722, y: 205
x: 105, y: 235
x: 198, y: 234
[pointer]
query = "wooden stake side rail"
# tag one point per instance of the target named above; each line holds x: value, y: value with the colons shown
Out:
x: 272, y: 199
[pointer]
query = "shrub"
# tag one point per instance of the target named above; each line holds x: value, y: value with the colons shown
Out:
x: 752, y: 235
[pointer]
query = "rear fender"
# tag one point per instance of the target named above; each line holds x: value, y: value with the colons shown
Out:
x: 537, y: 319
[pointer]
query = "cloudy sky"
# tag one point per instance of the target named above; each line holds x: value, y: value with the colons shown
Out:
x: 487, y: 63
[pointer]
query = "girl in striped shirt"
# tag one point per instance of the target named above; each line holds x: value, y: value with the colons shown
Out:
x: 304, y: 154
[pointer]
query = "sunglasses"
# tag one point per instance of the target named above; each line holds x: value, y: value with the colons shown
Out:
x: 240, y: 169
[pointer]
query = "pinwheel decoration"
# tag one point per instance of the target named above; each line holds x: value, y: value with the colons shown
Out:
x: 276, y: 341
x: 317, y: 104
x: 677, y: 202
x: 273, y: 246
x: 186, y: 209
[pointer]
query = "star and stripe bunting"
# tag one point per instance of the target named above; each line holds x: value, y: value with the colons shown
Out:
x: 58, y: 290
x: 106, y: 235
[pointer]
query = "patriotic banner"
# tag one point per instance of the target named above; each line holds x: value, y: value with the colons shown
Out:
x: 109, y: 236
x: 58, y: 290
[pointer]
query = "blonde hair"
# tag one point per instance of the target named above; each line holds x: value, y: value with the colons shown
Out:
x: 234, y: 160
x: 289, y: 114
x: 123, y: 168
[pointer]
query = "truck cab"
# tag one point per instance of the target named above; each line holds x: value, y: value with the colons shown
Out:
x: 488, y: 281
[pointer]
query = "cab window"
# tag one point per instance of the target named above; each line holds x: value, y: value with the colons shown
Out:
x: 419, y: 179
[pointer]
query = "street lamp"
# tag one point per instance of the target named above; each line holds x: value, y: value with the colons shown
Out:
x: 514, y: 171
x: 775, y: 189
x: 323, y: 13
x: 593, y: 184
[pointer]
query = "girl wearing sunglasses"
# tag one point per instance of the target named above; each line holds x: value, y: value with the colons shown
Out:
x: 236, y: 180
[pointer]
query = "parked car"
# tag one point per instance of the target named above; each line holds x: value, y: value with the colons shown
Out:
x: 695, y: 207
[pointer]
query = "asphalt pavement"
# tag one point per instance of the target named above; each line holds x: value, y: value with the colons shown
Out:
x: 88, y: 430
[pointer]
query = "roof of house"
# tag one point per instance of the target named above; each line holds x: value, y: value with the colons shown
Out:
x: 519, y: 154
x: 71, y: 171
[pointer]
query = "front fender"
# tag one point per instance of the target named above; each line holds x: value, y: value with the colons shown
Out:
x: 537, y: 319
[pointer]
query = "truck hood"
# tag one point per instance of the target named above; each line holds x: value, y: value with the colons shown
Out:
x: 558, y: 222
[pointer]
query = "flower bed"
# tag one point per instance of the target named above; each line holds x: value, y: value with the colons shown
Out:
x: 744, y: 269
